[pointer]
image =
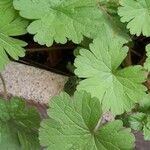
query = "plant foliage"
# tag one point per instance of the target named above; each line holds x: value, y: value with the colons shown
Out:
x: 59, y: 20
x: 74, y: 124
x: 62, y: 20
x: 147, y: 62
x: 117, y: 89
x: 19, y: 126
x: 140, y: 119
x: 137, y: 14
x: 11, y: 25
x: 104, y: 69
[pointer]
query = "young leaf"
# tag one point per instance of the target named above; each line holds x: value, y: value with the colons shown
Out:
x: 117, y: 89
x: 11, y: 24
x: 137, y: 120
x: 146, y: 130
x: 147, y: 62
x: 137, y: 15
x: 145, y: 107
x: 74, y: 124
x: 140, y: 121
x: 145, y: 104
x: 19, y: 126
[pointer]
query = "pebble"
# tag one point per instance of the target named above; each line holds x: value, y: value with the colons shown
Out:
x: 32, y: 83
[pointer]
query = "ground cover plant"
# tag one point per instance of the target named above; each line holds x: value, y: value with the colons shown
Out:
x: 110, y: 73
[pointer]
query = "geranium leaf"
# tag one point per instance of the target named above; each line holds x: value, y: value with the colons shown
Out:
x: 19, y: 126
x: 117, y: 89
x: 146, y: 130
x: 137, y: 120
x: 65, y: 20
x: 137, y: 14
x: 147, y: 62
x: 74, y: 124
x: 11, y: 25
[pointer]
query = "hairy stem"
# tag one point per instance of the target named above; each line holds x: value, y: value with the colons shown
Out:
x: 4, y: 86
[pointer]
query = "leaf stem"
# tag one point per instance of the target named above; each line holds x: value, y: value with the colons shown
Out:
x: 98, y: 125
x: 4, y: 87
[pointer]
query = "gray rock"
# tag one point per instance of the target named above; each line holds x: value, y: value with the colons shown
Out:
x: 32, y: 83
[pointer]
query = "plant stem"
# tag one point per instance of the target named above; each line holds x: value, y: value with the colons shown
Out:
x: 4, y: 87
x: 98, y: 125
x: 67, y: 47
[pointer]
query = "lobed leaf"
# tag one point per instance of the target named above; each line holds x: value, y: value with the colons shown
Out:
x: 19, y: 126
x: 137, y: 14
x: 140, y: 120
x: 146, y: 130
x: 65, y: 20
x: 117, y: 89
x: 74, y: 124
x: 147, y: 62
x: 11, y: 25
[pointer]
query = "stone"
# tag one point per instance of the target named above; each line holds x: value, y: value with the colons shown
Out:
x: 32, y: 83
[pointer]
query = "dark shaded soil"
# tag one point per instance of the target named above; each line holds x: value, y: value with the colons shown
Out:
x: 54, y: 58
x: 140, y: 143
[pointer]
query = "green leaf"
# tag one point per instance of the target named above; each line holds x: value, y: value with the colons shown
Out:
x: 65, y: 20
x: 117, y: 89
x: 141, y: 119
x: 137, y: 15
x: 59, y: 20
x: 11, y: 25
x: 74, y: 124
x: 110, y: 22
x: 140, y: 122
x: 137, y: 121
x: 110, y: 5
x: 145, y: 104
x: 146, y: 130
x: 71, y: 84
x: 147, y: 62
x: 19, y: 126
